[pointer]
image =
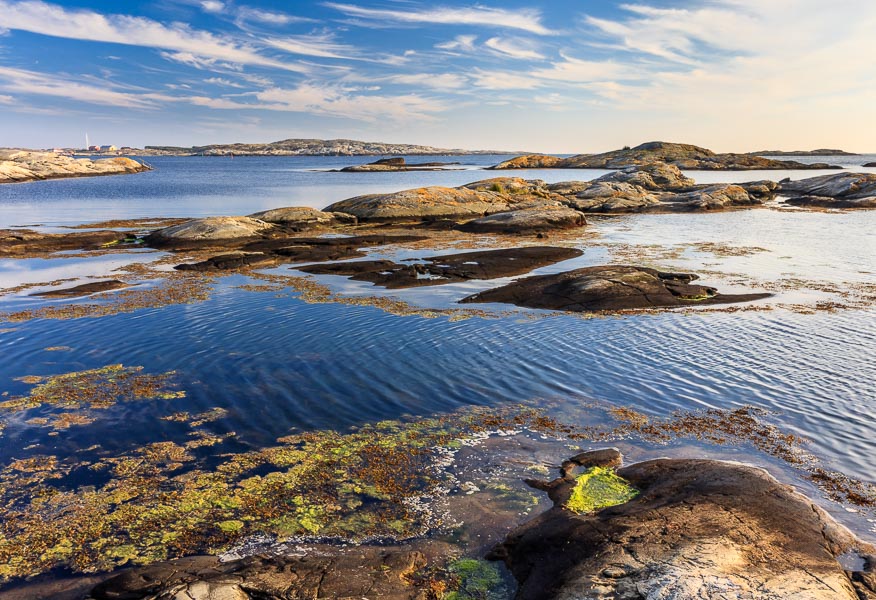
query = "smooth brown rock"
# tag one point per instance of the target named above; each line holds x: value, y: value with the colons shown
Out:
x: 453, y: 268
x: 697, y: 529
x: 21, y: 242
x: 302, y: 217
x: 84, y: 290
x: 607, y: 288
x: 288, y: 250
x: 549, y: 217
x: 209, y: 230
x: 422, y: 204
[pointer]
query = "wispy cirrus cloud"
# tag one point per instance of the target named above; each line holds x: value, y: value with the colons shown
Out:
x: 461, y: 43
x: 43, y: 18
x: 514, y: 48
x: 30, y: 82
x: 269, y: 17
x: 526, y: 19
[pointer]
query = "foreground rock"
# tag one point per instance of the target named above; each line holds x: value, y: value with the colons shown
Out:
x: 841, y: 190
x: 23, y: 242
x: 453, y: 268
x: 696, y: 529
x: 210, y: 229
x: 396, y: 164
x: 302, y: 218
x: 608, y: 288
x: 393, y: 573
x: 23, y: 165
x: 685, y: 156
x: 287, y: 250
x: 530, y: 161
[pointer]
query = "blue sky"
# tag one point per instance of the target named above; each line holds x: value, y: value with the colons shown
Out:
x: 558, y: 76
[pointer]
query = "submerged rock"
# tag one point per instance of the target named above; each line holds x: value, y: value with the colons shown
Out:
x: 685, y: 156
x: 84, y: 290
x: 21, y: 242
x: 24, y: 165
x: 453, y: 268
x: 840, y: 190
x: 303, y: 217
x: 693, y: 529
x: 393, y: 573
x: 606, y: 288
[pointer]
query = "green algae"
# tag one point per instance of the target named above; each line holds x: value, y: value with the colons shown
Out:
x: 163, y: 501
x: 597, y: 488
x: 475, y: 579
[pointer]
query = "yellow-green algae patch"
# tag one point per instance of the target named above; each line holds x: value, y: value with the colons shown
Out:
x: 92, y: 389
x: 597, y: 488
x: 161, y: 501
x: 473, y: 579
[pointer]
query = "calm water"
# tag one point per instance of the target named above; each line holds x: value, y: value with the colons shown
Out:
x: 277, y: 363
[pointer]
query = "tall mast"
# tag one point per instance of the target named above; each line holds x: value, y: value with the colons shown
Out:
x: 87, y: 144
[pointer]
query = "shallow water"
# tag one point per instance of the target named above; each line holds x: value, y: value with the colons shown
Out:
x: 279, y: 364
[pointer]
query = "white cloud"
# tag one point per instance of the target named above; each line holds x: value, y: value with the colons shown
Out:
x: 223, y: 82
x: 522, y: 19
x: 504, y: 80
x: 270, y: 17
x: 463, y: 43
x: 333, y: 101
x: 212, y: 6
x: 6, y: 99
x: 319, y: 45
x: 515, y: 48
x: 438, y: 81
x: 574, y: 70
x: 30, y: 82
x: 53, y: 20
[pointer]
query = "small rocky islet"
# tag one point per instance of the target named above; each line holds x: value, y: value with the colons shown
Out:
x: 18, y: 166
x: 687, y: 528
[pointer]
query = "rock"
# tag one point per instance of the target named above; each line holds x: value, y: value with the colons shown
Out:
x: 870, y: 164
x: 286, y: 250
x: 764, y: 189
x: 21, y: 242
x: 395, y: 164
x: 607, y: 288
x: 528, y: 220
x: 326, y: 572
x: 696, y: 529
x: 84, y: 289
x: 530, y: 161
x: 684, y: 156
x: 209, y: 229
x: 652, y: 176
x: 607, y: 197
x: 453, y: 268
x: 840, y: 190
x: 712, y: 197
x: 24, y: 165
x: 303, y: 217
x: 422, y: 203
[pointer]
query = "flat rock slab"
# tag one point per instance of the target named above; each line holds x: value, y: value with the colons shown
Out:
x: 528, y: 220
x: 453, y: 268
x: 840, y: 190
x: 24, y: 165
x: 607, y: 288
x: 354, y: 573
x: 209, y: 230
x: 21, y: 242
x: 697, y: 529
x: 285, y: 250
x: 84, y: 290
x: 303, y: 217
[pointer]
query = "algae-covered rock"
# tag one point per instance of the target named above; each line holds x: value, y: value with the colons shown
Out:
x: 599, y: 487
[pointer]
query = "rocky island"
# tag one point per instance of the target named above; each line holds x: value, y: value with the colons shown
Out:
x: 396, y: 164
x: 684, y: 156
x: 24, y: 165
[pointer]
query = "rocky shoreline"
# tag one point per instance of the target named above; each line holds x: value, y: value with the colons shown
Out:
x: 18, y: 166
x: 683, y: 528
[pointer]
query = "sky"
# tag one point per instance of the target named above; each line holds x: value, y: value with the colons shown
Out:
x: 563, y: 76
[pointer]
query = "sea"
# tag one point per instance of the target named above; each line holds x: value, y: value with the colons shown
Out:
x: 277, y: 363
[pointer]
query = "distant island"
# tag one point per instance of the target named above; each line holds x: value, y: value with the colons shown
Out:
x: 311, y: 147
x: 818, y: 152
